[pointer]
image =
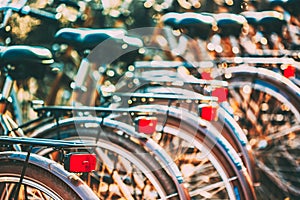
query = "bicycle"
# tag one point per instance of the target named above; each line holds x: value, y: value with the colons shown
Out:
x: 134, y: 145
x: 239, y: 174
x: 28, y: 175
x: 80, y: 83
x: 263, y: 78
x: 57, y: 128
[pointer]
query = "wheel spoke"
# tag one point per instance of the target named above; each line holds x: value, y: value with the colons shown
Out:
x: 205, y: 191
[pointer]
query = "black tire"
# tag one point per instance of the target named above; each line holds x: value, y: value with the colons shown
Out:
x: 42, y: 177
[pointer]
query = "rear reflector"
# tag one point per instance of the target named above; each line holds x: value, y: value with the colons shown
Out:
x: 221, y: 93
x: 289, y: 71
x: 208, y: 112
x: 145, y: 124
x: 80, y: 162
x: 206, y: 75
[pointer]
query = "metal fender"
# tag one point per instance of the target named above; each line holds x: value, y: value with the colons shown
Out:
x: 49, y: 165
x: 263, y: 74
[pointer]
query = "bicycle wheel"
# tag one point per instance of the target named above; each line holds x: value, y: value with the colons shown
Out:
x: 125, y: 168
x: 280, y: 162
x: 211, y: 168
x: 225, y: 124
x: 263, y: 102
x: 43, y: 179
x: 207, y: 167
x: 265, y: 105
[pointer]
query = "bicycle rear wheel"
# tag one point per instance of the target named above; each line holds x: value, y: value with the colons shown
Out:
x: 263, y: 102
x: 266, y: 106
x: 280, y: 162
x: 125, y: 168
x: 205, y: 159
x: 210, y: 166
x: 43, y: 179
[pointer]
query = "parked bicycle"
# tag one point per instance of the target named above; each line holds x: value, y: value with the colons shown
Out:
x: 114, y: 142
x: 230, y: 97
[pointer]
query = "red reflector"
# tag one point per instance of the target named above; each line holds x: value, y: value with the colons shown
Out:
x: 289, y: 71
x: 208, y: 112
x: 146, y: 125
x: 206, y: 76
x: 80, y: 162
x: 221, y: 93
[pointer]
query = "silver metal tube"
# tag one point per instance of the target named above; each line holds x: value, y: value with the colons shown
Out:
x: 8, y: 85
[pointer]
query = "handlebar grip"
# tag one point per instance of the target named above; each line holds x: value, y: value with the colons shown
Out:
x: 40, y: 14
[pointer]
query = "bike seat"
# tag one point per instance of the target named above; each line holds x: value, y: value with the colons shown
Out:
x: 28, y: 54
x: 252, y: 17
x: 86, y: 38
x: 198, y: 25
x: 272, y: 21
x: 171, y: 19
x: 24, y: 57
x: 229, y: 24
